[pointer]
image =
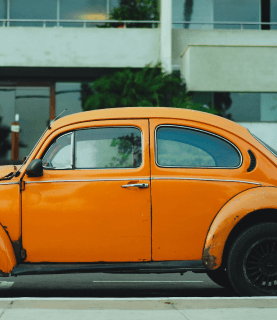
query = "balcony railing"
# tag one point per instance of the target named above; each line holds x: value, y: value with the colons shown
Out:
x: 230, y: 23
x: 124, y: 23
x: 57, y: 23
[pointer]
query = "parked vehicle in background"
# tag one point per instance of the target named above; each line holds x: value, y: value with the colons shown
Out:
x: 144, y: 190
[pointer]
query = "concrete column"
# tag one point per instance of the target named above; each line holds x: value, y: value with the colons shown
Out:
x: 166, y: 31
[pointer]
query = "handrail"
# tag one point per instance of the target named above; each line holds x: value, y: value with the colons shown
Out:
x: 5, y: 22
x: 84, y: 22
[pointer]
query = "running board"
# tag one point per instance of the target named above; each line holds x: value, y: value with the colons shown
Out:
x: 114, y: 267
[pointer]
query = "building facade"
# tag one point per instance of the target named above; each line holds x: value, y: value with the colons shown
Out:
x: 226, y: 52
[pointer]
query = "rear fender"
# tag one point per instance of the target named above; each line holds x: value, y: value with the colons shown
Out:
x: 227, y: 218
x: 7, y: 255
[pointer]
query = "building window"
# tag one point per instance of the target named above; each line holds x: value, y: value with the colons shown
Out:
x: 3, y: 9
x: 68, y: 96
x: 237, y: 11
x: 205, y: 11
x: 82, y: 10
x: 273, y: 14
x: 55, y: 10
x: 33, y: 106
x: 192, y: 10
x: 33, y: 9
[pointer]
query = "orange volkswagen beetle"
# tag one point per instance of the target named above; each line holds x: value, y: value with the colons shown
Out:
x: 144, y: 190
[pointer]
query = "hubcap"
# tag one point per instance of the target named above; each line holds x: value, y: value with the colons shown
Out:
x: 260, y: 265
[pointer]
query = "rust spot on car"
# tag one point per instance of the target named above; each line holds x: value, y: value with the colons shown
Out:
x: 208, y: 259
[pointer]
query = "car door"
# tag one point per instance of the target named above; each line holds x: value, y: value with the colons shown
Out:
x: 93, y: 201
x: 195, y: 170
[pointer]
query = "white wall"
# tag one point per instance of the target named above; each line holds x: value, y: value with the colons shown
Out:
x: 230, y: 68
x: 266, y: 131
x: 227, y: 60
x: 181, y: 38
x: 78, y: 47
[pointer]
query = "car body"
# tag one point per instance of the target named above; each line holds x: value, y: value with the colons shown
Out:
x: 144, y: 190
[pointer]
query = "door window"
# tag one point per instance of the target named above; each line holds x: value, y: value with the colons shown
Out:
x: 113, y: 147
x: 59, y: 155
x: 187, y: 147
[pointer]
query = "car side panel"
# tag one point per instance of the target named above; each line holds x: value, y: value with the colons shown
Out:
x: 243, y: 204
x: 85, y: 215
x: 182, y: 213
x: 186, y: 200
x: 10, y: 215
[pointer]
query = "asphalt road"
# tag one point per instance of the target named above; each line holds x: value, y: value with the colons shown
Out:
x: 112, y: 286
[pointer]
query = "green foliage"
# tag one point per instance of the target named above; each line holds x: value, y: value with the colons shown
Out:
x: 134, y: 10
x: 126, y: 146
x: 148, y: 87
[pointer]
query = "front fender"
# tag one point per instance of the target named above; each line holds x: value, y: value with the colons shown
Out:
x: 229, y: 215
x: 7, y: 256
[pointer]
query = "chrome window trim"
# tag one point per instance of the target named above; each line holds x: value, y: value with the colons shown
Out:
x: 72, y: 148
x: 207, y: 179
x: 116, y: 126
x: 200, y: 130
x: 89, y: 180
x: 55, y: 140
x: 2, y: 183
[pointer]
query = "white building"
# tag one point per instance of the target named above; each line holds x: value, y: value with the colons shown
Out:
x: 225, y: 50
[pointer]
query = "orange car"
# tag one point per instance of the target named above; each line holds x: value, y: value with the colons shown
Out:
x: 144, y: 190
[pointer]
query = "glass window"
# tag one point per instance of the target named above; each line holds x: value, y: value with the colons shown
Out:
x: 113, y: 4
x: 234, y: 10
x: 100, y: 148
x: 82, y: 10
x: 186, y: 147
x: 3, y: 9
x: 268, y: 107
x: 59, y: 155
x: 239, y: 106
x: 68, y: 96
x: 32, y: 9
x: 189, y: 10
x: 273, y: 13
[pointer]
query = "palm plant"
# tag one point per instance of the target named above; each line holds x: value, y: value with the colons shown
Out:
x: 149, y: 86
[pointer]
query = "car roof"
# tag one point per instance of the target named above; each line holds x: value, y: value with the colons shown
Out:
x: 151, y: 112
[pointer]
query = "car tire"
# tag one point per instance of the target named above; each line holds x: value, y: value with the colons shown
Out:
x: 252, y: 261
x: 220, y: 277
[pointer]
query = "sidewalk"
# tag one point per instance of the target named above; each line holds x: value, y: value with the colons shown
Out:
x: 138, y: 309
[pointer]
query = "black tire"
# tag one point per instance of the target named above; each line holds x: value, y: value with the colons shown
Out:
x: 252, y: 261
x: 220, y: 277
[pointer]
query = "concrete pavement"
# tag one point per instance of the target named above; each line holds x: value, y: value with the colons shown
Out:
x: 139, y: 308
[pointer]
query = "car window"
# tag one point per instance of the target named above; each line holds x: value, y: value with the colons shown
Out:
x: 113, y: 147
x: 59, y: 155
x: 187, y: 147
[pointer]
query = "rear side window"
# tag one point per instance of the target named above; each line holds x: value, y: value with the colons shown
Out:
x: 112, y: 147
x: 178, y: 146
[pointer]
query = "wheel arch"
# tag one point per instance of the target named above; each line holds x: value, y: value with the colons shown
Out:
x: 7, y: 255
x: 244, y: 210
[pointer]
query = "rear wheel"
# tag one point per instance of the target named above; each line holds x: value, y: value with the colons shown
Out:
x: 252, y: 261
x: 220, y: 277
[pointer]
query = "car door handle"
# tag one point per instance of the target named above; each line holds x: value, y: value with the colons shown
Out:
x: 136, y: 185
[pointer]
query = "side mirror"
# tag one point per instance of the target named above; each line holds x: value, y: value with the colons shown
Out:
x: 35, y: 169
